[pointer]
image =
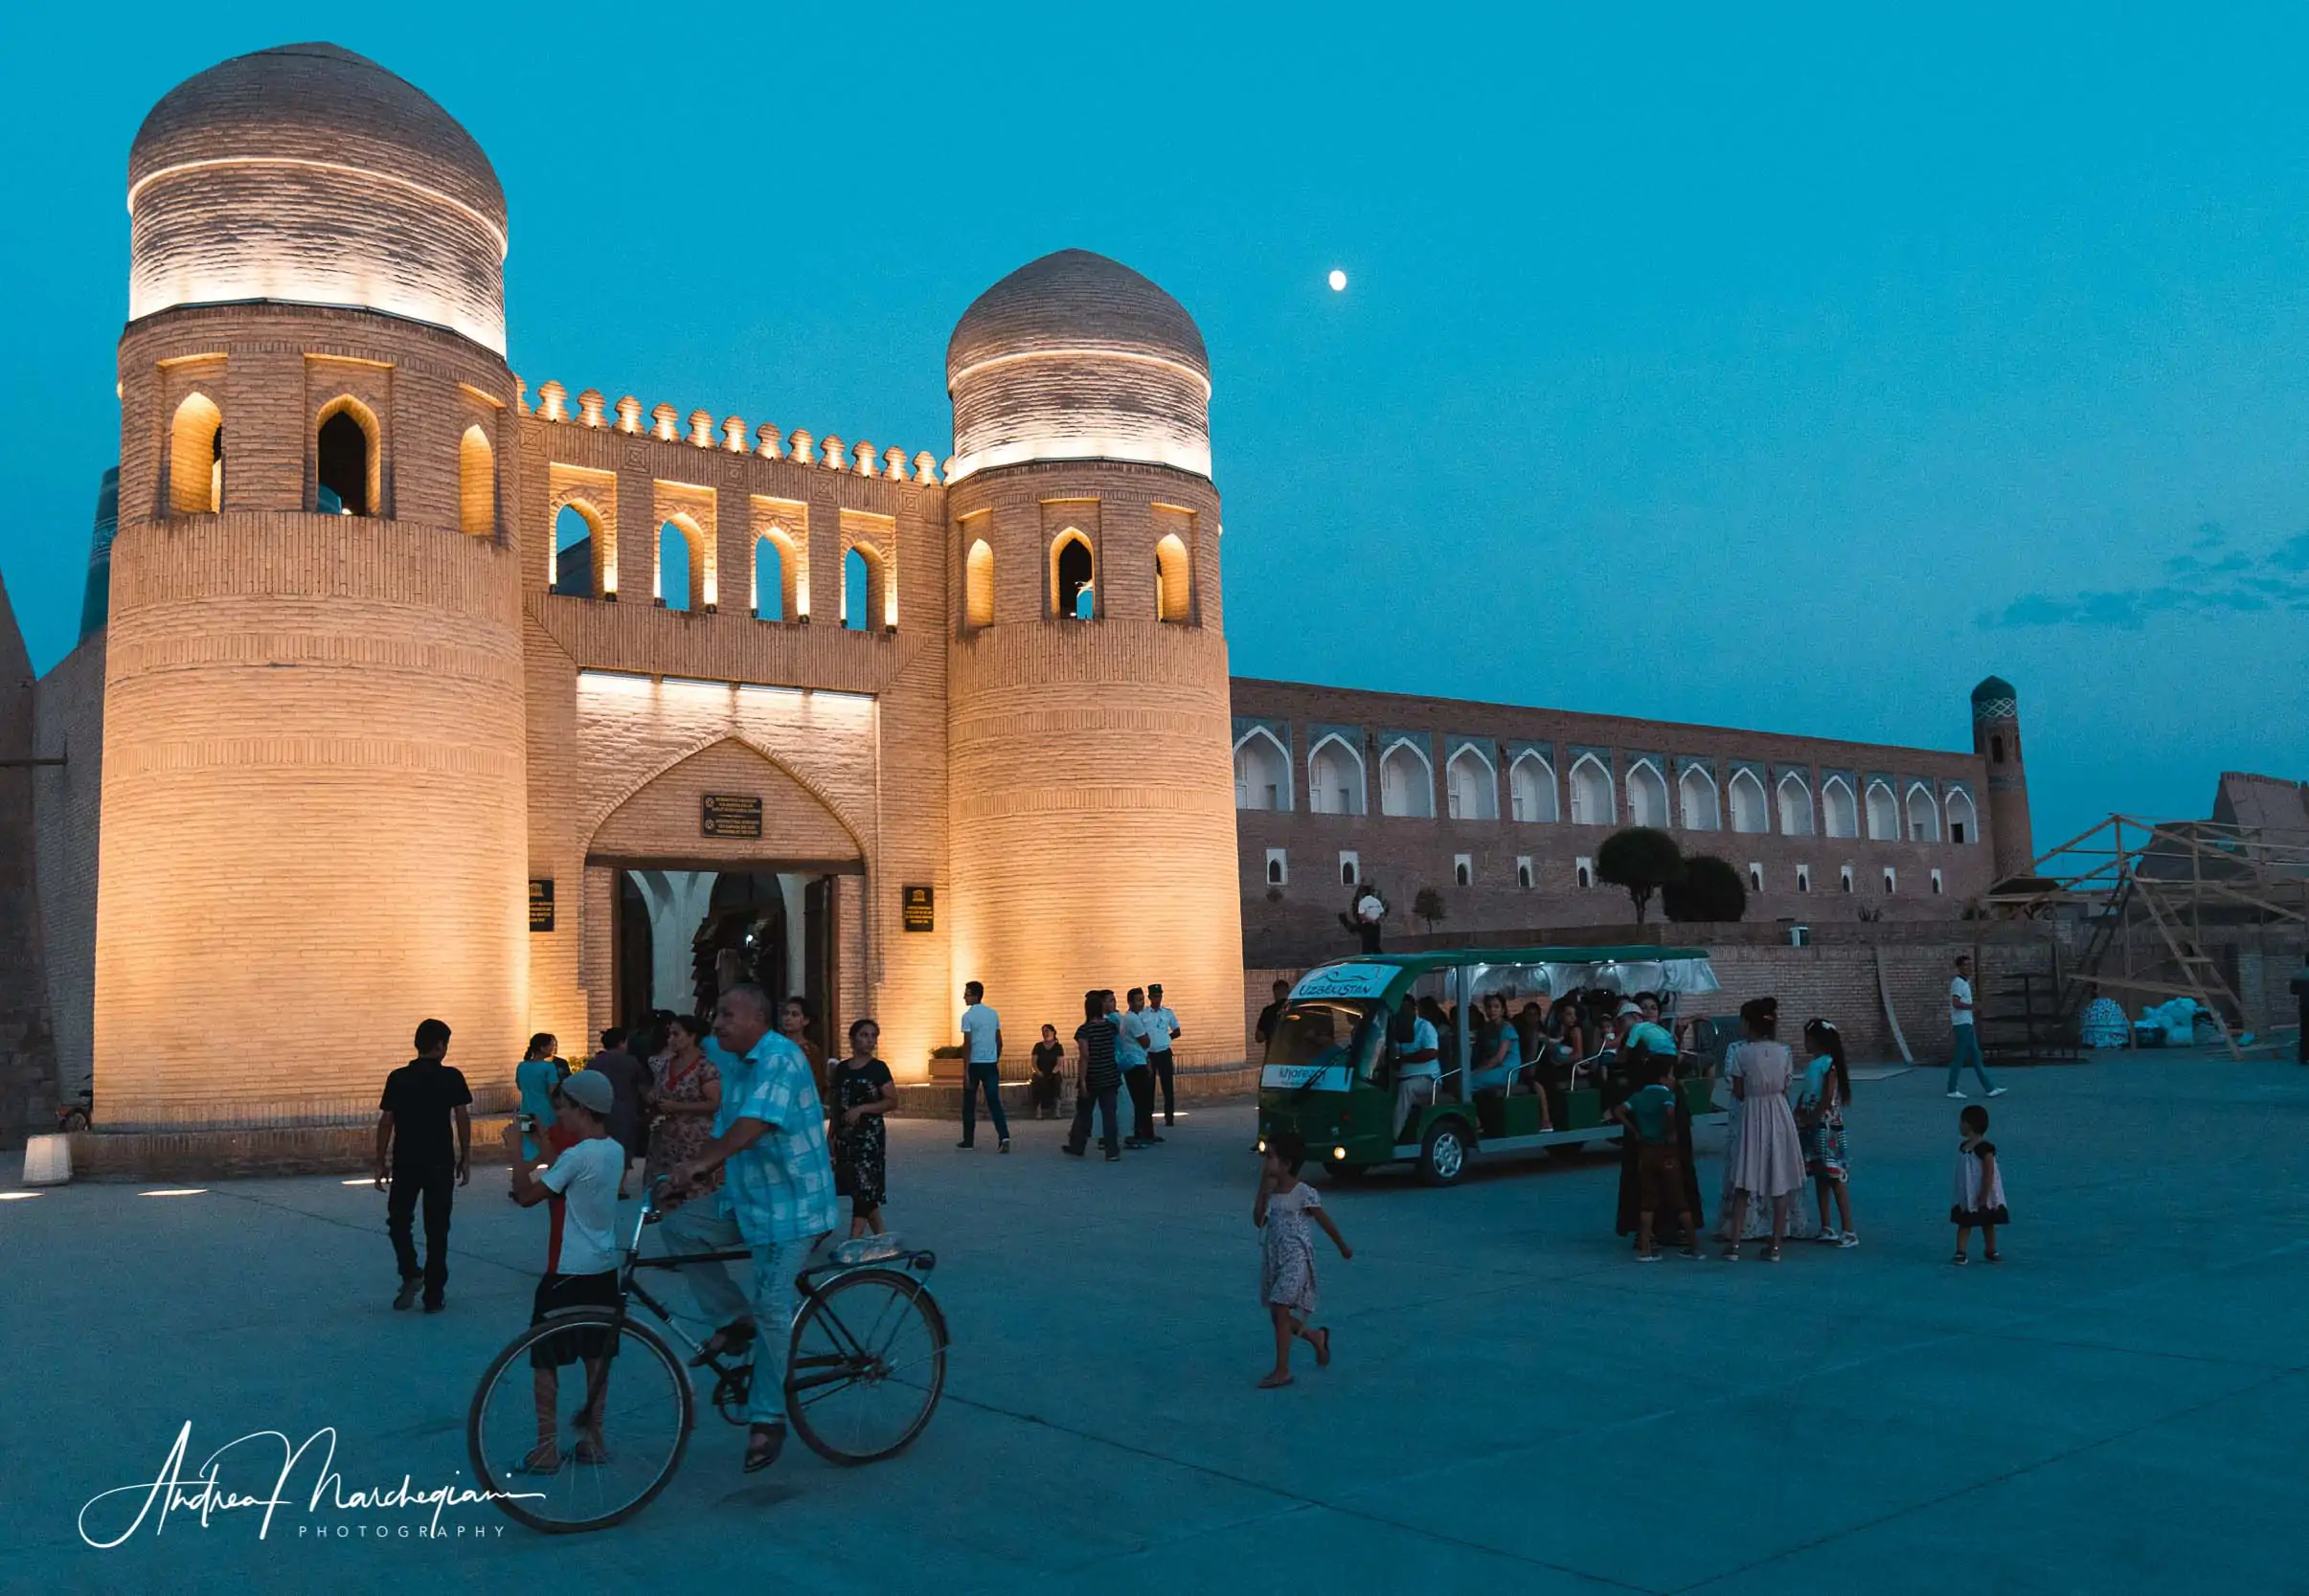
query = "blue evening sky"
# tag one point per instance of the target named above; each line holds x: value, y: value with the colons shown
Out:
x: 1778, y: 369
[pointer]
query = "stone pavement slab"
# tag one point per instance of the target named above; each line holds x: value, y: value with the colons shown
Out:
x: 1515, y: 1403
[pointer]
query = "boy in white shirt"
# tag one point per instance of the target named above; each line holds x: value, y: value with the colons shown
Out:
x: 580, y: 1261
x: 982, y: 1067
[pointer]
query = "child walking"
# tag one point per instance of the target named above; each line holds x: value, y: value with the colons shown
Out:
x: 1980, y: 1192
x: 1286, y: 1253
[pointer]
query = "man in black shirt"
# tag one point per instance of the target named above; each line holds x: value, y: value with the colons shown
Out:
x: 415, y: 1152
x: 1273, y: 1012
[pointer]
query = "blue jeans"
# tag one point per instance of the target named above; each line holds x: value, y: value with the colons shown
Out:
x: 1967, y: 1052
x: 774, y: 1268
x: 988, y: 1076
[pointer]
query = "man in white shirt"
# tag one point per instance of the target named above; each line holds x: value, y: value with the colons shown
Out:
x: 581, y: 1261
x: 1967, y: 1040
x: 1161, y: 1030
x: 1418, y: 1071
x: 982, y: 1067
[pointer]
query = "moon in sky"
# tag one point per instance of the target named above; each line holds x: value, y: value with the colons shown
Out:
x: 1337, y: 281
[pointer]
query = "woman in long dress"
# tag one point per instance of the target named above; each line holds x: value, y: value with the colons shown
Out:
x: 1765, y: 1163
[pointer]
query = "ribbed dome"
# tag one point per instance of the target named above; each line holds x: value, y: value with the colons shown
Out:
x: 309, y: 174
x: 1075, y: 300
x: 1074, y: 356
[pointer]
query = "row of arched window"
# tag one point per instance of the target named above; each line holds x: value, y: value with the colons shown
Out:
x: 682, y: 576
x: 1335, y: 785
x: 347, y: 454
x: 1072, y: 590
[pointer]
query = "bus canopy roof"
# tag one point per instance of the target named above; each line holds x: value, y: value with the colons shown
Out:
x: 1624, y: 969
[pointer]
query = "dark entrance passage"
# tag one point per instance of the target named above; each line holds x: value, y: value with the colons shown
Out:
x: 683, y: 937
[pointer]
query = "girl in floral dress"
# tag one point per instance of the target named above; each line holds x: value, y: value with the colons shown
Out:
x: 685, y: 1095
x: 1286, y: 1255
x: 1827, y: 1087
x: 861, y: 1087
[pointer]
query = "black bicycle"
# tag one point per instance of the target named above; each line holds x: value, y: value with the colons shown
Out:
x: 596, y: 1442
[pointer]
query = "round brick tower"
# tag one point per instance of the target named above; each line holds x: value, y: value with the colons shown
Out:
x: 313, y: 831
x: 1996, y: 737
x: 1092, y: 791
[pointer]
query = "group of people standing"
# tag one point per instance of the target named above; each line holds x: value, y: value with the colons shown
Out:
x: 1122, y: 1047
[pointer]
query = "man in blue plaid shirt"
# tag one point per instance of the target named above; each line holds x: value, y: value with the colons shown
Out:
x: 778, y: 1185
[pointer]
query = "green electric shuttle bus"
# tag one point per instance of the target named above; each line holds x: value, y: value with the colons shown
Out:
x: 1332, y: 1063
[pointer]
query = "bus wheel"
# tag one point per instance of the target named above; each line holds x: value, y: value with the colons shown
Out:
x: 1444, y: 1156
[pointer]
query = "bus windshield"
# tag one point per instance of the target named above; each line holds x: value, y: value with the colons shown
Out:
x: 1327, y: 1031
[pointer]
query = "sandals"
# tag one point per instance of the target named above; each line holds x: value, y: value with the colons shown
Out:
x: 1272, y: 1382
x: 1772, y: 1253
x: 535, y: 1462
x: 1321, y: 1341
x: 763, y: 1443
x: 1992, y: 1257
x: 590, y: 1452
x: 731, y: 1337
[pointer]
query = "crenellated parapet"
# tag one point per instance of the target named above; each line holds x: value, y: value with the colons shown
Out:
x: 825, y: 451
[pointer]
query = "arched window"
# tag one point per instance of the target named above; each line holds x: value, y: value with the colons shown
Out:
x: 1646, y: 795
x: 1923, y: 814
x: 1171, y: 595
x: 679, y: 551
x: 1532, y: 789
x: 1963, y: 825
x: 576, y: 529
x: 1074, y: 578
x: 978, y: 585
x: 858, y: 591
x: 1406, y: 782
x: 1750, y: 813
x: 344, y: 458
x: 1996, y: 748
x: 1703, y: 805
x: 1883, y: 814
x: 1838, y: 808
x: 1592, y: 792
x: 772, y: 560
x: 1262, y: 772
x: 196, y: 458
x: 476, y: 484
x: 1795, y: 806
x: 1335, y: 778
x: 1474, y: 791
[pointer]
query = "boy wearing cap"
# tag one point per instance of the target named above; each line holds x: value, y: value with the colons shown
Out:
x: 581, y: 1258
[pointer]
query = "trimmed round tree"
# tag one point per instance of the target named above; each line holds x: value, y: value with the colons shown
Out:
x: 1643, y: 859
x: 1712, y: 890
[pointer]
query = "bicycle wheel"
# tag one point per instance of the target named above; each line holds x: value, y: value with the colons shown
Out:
x: 644, y: 1412
x: 868, y: 1366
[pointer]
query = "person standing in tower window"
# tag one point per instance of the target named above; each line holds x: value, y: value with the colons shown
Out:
x: 982, y: 1067
x: 1965, y: 1041
x: 1161, y: 1030
x: 414, y: 1151
x: 1131, y: 1040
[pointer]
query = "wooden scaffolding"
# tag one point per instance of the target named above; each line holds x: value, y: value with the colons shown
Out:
x: 2144, y: 891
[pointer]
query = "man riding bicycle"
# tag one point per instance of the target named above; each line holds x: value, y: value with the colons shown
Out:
x: 777, y: 1198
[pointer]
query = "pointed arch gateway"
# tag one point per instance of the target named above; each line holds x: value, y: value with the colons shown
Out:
x: 1262, y: 772
x: 1839, y: 810
x: 1703, y: 805
x: 1407, y: 786
x: 1335, y: 783
x: 1474, y: 786
x: 656, y: 818
x: 1646, y: 795
x: 1883, y: 813
x: 1532, y: 789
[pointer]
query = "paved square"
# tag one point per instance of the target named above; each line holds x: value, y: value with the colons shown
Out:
x: 1515, y: 1404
